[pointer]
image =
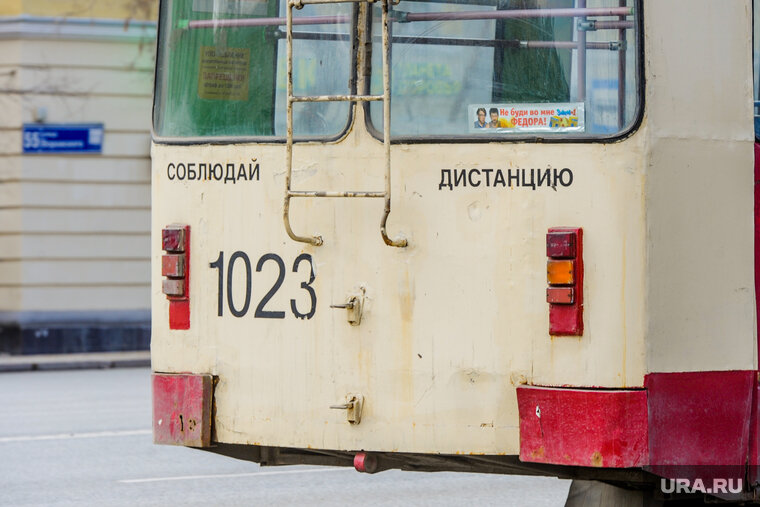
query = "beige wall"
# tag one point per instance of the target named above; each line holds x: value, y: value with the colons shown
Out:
x: 135, y: 9
x: 74, y: 229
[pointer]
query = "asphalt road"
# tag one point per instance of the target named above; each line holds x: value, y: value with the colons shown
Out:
x: 83, y: 438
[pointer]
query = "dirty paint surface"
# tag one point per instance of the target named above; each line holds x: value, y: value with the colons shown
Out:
x: 754, y: 437
x: 593, y: 428
x: 699, y: 418
x: 182, y: 409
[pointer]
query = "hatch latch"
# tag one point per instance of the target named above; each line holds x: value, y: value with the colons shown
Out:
x: 353, y: 407
x: 354, y: 306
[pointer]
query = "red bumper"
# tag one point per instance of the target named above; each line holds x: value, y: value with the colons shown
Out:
x: 583, y: 427
x: 182, y: 409
x: 692, y: 419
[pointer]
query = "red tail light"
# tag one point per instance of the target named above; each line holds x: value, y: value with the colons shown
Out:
x: 564, y: 248
x: 175, y: 266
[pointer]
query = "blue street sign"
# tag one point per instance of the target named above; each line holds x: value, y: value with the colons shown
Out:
x: 63, y: 138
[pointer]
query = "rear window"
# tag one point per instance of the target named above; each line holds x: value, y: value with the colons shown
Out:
x: 221, y: 68
x: 501, y: 70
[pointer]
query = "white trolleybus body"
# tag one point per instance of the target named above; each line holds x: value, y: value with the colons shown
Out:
x: 480, y: 235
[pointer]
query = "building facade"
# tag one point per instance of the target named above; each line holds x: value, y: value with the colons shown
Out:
x: 75, y: 220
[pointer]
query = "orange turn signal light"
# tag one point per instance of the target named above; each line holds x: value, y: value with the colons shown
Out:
x: 560, y: 272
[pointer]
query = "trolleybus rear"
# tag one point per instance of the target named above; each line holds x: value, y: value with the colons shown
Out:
x: 445, y: 235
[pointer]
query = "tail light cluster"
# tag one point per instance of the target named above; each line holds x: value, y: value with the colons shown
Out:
x: 175, y: 267
x: 564, y: 273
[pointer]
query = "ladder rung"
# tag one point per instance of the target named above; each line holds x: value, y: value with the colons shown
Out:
x: 319, y: 193
x: 335, y: 98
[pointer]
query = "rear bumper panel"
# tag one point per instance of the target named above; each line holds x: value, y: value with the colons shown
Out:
x: 182, y: 406
x: 593, y: 428
x: 686, y: 419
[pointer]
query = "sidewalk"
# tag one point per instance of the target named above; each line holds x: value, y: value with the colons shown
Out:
x: 75, y: 361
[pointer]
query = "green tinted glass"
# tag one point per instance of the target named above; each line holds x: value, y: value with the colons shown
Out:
x: 222, y: 71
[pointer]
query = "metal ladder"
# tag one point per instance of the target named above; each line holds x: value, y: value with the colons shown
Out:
x: 385, y: 98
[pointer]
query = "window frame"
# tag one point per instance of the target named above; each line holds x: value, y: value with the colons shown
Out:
x: 522, y: 138
x: 227, y: 140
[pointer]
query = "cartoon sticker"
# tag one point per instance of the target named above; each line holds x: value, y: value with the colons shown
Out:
x: 524, y: 118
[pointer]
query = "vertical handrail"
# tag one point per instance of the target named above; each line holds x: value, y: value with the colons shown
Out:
x: 401, y: 242
x: 581, y: 55
x: 314, y: 240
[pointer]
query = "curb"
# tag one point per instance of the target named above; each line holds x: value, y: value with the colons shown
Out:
x: 95, y: 360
